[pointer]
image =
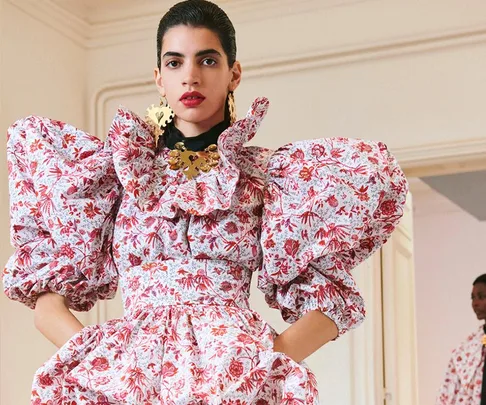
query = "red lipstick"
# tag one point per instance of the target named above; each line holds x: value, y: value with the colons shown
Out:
x: 192, y: 99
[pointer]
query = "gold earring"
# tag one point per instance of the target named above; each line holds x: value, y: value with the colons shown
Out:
x: 232, y: 107
x: 159, y: 117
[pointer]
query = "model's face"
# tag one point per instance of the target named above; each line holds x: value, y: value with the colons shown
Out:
x: 194, y: 75
x: 478, y: 297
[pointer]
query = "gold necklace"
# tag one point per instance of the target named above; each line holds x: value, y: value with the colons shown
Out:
x: 193, y: 163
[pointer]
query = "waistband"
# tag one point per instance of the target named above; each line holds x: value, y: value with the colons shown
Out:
x: 185, y: 282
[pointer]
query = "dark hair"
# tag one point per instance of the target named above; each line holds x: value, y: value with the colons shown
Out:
x: 200, y: 14
x: 480, y: 279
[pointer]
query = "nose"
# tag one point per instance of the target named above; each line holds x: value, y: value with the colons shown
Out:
x: 191, y: 75
x: 475, y: 304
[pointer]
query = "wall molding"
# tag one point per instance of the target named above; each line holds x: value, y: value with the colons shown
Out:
x: 366, y: 341
x: 431, y: 152
x: 109, y: 26
x: 124, y: 25
x: 112, y: 27
x: 51, y: 14
x: 239, y: 11
x: 416, y: 161
x: 443, y: 158
x: 98, y: 104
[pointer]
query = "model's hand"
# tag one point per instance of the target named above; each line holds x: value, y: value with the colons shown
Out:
x: 54, y: 320
x: 305, y: 336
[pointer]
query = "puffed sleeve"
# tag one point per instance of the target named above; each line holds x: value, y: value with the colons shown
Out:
x: 64, y: 195
x: 328, y: 205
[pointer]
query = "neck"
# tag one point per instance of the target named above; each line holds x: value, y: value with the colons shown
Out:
x: 192, y: 129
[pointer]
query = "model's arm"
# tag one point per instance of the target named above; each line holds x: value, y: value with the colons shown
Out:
x: 54, y: 320
x: 305, y: 336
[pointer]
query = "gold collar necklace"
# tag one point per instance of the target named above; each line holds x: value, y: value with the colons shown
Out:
x: 190, y: 162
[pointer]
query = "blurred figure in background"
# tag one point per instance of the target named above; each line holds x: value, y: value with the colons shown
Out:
x: 464, y: 382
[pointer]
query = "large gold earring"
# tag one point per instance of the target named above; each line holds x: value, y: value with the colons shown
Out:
x: 159, y: 117
x: 232, y: 107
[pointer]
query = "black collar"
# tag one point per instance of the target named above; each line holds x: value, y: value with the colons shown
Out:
x: 172, y: 135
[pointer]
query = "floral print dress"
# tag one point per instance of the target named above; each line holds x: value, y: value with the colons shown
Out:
x: 87, y: 216
x: 464, y: 376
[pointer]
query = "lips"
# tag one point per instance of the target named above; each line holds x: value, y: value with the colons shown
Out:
x: 192, y: 99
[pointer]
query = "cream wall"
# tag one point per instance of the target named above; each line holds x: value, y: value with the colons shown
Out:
x: 44, y: 73
x: 3, y: 208
x: 449, y: 255
x: 407, y: 75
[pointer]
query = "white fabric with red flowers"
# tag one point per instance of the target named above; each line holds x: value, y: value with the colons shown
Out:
x: 88, y: 216
x: 464, y: 376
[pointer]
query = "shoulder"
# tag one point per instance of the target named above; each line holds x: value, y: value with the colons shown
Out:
x: 471, y: 343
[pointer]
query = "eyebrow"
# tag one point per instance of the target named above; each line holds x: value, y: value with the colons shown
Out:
x: 200, y: 53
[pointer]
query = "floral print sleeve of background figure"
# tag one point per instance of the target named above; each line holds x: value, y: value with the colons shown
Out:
x: 464, y: 376
x: 329, y: 204
x: 450, y: 387
x: 63, y: 199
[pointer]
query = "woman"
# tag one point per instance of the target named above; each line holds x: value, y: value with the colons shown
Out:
x: 464, y: 381
x: 181, y: 221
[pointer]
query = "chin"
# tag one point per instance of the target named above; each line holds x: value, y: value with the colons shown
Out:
x: 194, y: 116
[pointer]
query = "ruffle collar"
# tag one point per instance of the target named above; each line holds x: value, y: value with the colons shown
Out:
x: 147, y: 178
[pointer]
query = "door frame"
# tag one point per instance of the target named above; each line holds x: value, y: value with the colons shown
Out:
x: 366, y: 344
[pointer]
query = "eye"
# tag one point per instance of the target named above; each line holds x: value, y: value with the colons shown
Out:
x: 209, y: 62
x: 172, y: 64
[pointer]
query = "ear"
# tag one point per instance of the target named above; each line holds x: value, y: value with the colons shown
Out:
x: 158, y: 82
x: 235, y: 76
